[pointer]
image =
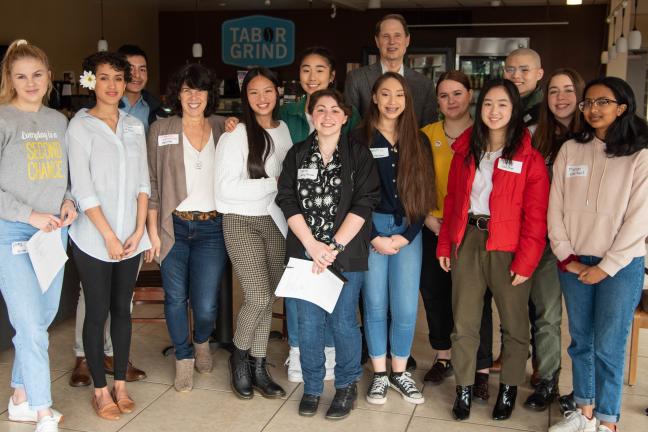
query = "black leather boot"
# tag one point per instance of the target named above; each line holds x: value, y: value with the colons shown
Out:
x: 343, y: 402
x: 241, y: 378
x: 461, y: 407
x: 308, y: 405
x: 567, y: 403
x: 545, y: 393
x: 505, y: 402
x: 262, y: 381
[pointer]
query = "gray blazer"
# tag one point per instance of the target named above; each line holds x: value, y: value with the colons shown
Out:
x: 357, y: 91
x: 167, y: 173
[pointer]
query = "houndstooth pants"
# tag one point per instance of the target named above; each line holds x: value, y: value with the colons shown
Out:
x: 257, y: 249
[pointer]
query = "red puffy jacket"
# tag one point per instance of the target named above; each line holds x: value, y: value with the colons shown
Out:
x: 518, y: 205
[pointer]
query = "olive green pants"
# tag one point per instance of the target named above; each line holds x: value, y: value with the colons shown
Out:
x: 473, y: 270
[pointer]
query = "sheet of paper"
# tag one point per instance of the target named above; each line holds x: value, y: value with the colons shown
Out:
x: 298, y: 281
x: 278, y: 217
x: 47, y: 255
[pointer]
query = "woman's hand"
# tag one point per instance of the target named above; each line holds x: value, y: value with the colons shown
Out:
x: 230, y: 123
x: 518, y: 279
x: 576, y: 267
x: 131, y: 243
x: 154, y: 252
x: 321, y: 254
x: 433, y: 224
x: 44, y: 221
x: 68, y: 212
x: 398, y: 241
x: 592, y: 275
x: 114, y: 247
x: 444, y: 262
x: 384, y: 246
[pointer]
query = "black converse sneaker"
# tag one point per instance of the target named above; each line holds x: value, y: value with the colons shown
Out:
x: 405, y: 385
x: 377, y: 392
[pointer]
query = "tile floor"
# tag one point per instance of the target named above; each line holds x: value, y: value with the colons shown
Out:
x: 211, y: 406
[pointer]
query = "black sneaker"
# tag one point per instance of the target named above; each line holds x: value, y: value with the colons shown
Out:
x: 405, y: 385
x: 441, y: 370
x: 377, y: 392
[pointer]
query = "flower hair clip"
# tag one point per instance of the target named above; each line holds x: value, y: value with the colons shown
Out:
x: 88, y: 80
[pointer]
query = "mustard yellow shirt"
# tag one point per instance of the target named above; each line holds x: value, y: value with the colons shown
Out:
x: 442, y: 155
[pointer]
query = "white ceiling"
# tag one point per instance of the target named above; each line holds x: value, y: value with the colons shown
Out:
x: 349, y: 4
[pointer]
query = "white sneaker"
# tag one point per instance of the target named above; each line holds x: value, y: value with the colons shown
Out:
x: 329, y: 353
x: 575, y: 421
x: 22, y: 413
x: 294, y: 366
x: 47, y: 424
x: 603, y: 428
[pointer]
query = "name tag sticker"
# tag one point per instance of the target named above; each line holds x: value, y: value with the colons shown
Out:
x: 510, y: 165
x: 134, y: 129
x: 19, y: 248
x: 576, y: 171
x: 437, y: 143
x: 307, y: 174
x: 168, y: 139
x: 380, y: 152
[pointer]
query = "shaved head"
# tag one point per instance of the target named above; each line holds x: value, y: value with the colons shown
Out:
x: 532, y: 55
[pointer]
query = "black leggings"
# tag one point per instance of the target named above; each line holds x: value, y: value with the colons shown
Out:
x: 107, y: 287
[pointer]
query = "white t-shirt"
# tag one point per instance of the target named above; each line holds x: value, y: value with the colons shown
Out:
x: 199, y: 175
x: 483, y: 184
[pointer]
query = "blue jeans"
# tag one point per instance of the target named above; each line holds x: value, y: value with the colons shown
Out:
x: 192, y: 271
x: 343, y: 323
x: 30, y: 313
x: 391, y: 288
x: 600, y: 316
x: 292, y: 323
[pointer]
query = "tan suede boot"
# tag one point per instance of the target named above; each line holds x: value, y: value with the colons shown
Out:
x: 204, y: 361
x: 184, y: 375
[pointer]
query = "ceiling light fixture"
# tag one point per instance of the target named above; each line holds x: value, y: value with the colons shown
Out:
x: 634, y: 38
x: 102, y: 44
x: 574, y: 2
x: 196, y: 48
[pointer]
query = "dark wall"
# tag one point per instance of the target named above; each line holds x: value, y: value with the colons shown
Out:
x: 577, y: 45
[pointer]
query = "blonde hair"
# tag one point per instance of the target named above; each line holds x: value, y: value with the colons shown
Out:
x: 20, y: 49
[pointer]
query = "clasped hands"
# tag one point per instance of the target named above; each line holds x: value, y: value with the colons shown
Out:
x: 323, y: 255
x: 48, y: 222
x: 389, y: 245
x: 117, y: 250
x: 588, y: 275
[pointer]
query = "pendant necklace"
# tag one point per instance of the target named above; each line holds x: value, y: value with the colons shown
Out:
x: 198, y: 164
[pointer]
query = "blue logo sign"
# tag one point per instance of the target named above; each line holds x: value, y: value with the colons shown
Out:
x: 258, y: 40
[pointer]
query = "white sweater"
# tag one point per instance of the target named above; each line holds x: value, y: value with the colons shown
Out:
x: 235, y: 191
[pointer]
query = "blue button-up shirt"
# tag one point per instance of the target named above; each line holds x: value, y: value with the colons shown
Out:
x: 140, y: 110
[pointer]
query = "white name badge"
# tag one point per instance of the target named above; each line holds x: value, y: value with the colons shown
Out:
x: 576, y: 171
x: 307, y: 174
x: 19, y: 248
x: 437, y: 143
x: 134, y: 129
x: 380, y: 152
x: 510, y: 165
x: 168, y: 139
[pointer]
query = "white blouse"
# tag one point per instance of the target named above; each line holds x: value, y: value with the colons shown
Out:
x: 483, y: 184
x: 199, y: 175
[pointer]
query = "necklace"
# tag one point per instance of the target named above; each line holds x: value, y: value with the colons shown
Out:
x: 451, y: 138
x: 198, y: 164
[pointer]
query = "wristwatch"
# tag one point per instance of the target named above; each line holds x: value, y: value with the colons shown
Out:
x: 337, y: 246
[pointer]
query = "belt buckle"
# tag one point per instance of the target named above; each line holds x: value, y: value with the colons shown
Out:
x: 478, y: 223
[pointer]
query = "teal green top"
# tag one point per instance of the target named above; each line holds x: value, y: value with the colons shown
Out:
x: 294, y: 114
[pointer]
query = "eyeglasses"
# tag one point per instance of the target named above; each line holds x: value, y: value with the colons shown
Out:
x: 522, y: 69
x: 587, y: 104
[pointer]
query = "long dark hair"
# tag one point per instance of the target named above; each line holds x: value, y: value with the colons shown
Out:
x: 326, y: 54
x: 260, y: 144
x: 415, y: 173
x: 514, y: 130
x: 629, y: 132
x: 551, y: 134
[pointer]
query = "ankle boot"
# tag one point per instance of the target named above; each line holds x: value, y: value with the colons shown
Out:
x: 544, y: 393
x: 262, y: 381
x: 505, y: 402
x: 461, y: 407
x: 241, y: 378
x: 343, y: 402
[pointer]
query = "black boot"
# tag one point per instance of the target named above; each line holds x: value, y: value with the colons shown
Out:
x: 262, y: 381
x: 505, y: 402
x: 343, y: 402
x: 241, y: 378
x: 544, y: 393
x: 461, y: 408
x: 308, y: 405
x: 567, y: 403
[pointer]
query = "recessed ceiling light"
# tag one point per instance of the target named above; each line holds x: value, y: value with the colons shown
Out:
x: 574, y: 2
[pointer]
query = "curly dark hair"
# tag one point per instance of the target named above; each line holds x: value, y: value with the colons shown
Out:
x: 115, y: 60
x: 196, y: 77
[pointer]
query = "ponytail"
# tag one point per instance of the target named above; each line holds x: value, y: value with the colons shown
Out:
x: 20, y: 49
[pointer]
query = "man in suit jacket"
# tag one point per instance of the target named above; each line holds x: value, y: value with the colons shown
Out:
x: 392, y: 39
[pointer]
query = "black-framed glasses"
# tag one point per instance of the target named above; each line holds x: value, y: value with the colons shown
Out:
x: 587, y: 104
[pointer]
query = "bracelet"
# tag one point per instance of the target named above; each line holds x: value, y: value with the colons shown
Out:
x: 562, y: 265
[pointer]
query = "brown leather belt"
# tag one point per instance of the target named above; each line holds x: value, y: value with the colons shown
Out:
x: 481, y: 222
x: 195, y: 215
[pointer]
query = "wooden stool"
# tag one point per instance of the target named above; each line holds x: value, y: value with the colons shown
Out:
x: 640, y: 321
x: 148, y: 290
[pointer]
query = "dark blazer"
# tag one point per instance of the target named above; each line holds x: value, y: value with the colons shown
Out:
x: 357, y: 91
x: 360, y: 194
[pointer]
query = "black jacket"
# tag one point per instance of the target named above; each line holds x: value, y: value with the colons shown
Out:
x: 360, y: 194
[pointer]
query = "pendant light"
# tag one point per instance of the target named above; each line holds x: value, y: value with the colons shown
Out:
x: 612, y: 51
x: 622, y: 42
x: 196, y: 48
x: 634, y: 38
x: 102, y: 44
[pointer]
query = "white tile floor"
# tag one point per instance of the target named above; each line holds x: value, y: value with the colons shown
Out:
x: 211, y: 406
